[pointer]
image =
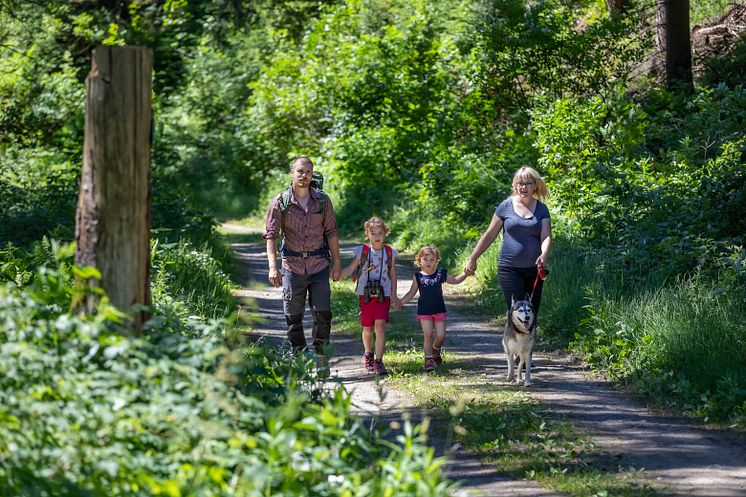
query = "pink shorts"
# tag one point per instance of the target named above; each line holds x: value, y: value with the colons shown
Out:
x: 436, y: 318
x: 373, y: 311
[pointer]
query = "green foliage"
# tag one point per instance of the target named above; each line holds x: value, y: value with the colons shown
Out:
x: 657, y: 184
x: 42, y: 91
x: 707, y: 10
x: 50, y: 278
x: 727, y: 70
x: 183, y: 274
x: 362, y: 94
x: 37, y: 195
x: 524, y: 49
x: 87, y: 410
x: 664, y: 341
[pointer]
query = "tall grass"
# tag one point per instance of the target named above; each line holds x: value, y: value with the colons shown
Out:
x: 182, y: 273
x: 681, y: 342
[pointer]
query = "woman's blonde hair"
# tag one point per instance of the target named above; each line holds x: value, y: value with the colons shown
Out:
x: 376, y: 221
x: 529, y: 173
x: 432, y: 249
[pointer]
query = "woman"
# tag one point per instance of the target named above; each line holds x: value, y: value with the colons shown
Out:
x: 527, y: 238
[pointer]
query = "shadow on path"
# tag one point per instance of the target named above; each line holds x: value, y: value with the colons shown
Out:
x: 687, y: 459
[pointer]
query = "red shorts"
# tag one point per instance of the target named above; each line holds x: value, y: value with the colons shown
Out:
x: 436, y: 318
x: 373, y: 311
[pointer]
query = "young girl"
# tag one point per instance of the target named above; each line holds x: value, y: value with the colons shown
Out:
x: 376, y: 287
x: 431, y: 309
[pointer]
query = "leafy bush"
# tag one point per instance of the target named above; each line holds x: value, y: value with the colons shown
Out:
x: 645, y: 183
x: 182, y: 273
x: 525, y: 49
x: 87, y: 410
x: 38, y: 191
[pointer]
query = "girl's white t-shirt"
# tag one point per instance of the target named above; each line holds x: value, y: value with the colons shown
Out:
x: 371, y: 270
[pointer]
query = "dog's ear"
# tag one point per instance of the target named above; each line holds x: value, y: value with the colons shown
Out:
x: 527, y: 297
x: 512, y: 300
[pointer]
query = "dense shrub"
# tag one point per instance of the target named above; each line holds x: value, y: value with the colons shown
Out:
x: 184, y: 274
x: 646, y: 184
x: 87, y: 410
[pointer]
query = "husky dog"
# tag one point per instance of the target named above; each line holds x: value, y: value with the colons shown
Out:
x: 518, y: 340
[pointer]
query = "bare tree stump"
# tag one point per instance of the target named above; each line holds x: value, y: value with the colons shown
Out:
x: 113, y: 214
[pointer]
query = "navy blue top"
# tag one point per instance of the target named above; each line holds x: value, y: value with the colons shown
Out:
x: 521, y: 236
x: 431, y: 292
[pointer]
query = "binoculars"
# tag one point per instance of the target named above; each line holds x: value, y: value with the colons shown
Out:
x: 373, y: 290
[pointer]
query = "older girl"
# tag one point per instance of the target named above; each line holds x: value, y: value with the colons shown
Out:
x: 375, y: 266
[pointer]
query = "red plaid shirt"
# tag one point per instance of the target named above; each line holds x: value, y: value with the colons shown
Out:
x: 304, y: 230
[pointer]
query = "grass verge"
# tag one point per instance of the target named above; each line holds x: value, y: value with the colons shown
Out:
x: 504, y: 426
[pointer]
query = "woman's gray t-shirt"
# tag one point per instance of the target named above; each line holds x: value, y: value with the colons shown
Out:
x: 521, y: 236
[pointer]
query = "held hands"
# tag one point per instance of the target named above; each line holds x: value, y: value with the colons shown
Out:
x: 470, y: 267
x: 396, y: 303
x: 336, y: 270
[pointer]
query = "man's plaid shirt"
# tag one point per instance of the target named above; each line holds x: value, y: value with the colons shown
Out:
x: 304, y: 230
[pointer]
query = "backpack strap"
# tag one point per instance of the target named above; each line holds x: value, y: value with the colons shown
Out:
x: 389, y: 255
x: 323, y: 198
x: 363, y: 260
x: 284, y: 200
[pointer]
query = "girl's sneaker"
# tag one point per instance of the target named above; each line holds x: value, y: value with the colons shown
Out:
x: 379, y: 368
x: 368, y: 357
x: 436, y: 357
x: 429, y: 364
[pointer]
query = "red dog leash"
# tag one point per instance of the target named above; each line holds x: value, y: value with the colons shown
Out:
x: 541, y: 273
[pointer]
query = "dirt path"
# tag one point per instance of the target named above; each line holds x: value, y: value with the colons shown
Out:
x: 685, y: 459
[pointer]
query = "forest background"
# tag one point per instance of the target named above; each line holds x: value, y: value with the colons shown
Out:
x: 419, y: 111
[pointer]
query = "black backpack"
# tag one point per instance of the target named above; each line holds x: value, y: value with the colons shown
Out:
x: 317, y: 182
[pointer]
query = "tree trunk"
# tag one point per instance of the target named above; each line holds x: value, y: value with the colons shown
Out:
x: 674, y: 41
x: 616, y: 7
x: 113, y: 215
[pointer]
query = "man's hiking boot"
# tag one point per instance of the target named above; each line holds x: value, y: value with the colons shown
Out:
x: 436, y: 357
x: 368, y: 358
x: 429, y: 364
x: 379, y: 368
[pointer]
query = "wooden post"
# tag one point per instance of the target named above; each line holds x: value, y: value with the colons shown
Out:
x: 113, y: 216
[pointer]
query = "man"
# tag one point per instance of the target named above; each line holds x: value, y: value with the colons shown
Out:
x: 305, y: 218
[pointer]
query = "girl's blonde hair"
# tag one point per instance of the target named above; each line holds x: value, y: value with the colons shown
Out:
x: 530, y: 174
x: 376, y: 221
x: 432, y: 249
